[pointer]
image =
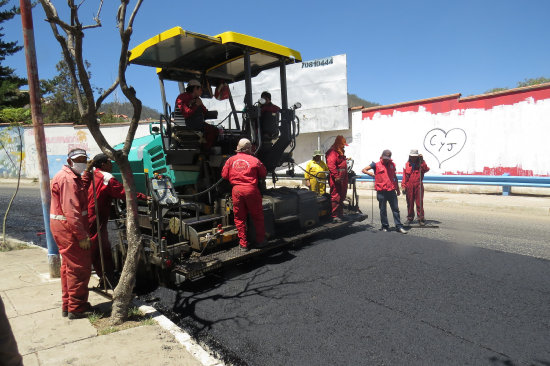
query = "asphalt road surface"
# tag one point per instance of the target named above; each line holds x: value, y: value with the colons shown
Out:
x: 474, y: 291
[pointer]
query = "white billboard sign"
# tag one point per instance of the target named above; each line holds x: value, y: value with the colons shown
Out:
x: 319, y: 85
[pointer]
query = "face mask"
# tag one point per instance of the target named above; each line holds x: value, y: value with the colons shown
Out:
x: 78, y: 167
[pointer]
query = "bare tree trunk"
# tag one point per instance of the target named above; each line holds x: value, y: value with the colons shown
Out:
x: 72, y: 46
x: 123, y: 291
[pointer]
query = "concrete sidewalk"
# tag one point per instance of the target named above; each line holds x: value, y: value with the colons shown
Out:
x: 44, y: 337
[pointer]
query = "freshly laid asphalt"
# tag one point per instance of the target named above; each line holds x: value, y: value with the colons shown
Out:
x: 373, y: 298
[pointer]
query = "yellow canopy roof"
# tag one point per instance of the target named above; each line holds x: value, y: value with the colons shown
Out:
x: 182, y: 55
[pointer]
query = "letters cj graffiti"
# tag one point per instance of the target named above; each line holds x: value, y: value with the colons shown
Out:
x: 444, y: 145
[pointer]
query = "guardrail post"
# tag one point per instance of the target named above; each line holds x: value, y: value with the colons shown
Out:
x: 506, y: 189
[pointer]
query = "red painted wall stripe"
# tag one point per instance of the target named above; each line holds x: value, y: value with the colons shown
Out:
x: 445, y: 106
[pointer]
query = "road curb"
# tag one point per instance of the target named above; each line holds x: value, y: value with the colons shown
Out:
x: 184, y: 338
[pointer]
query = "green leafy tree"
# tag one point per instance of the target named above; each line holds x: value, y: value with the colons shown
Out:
x: 10, y: 95
x: 520, y: 84
x: 61, y: 103
x: 13, y: 115
x: 533, y: 81
x: 495, y: 90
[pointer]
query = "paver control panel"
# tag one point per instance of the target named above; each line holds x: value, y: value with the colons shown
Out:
x: 163, y: 191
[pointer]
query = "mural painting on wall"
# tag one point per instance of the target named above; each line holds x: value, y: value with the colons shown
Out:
x: 11, y: 141
x: 444, y: 145
x: 58, y: 144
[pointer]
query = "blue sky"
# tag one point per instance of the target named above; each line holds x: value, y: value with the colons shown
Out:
x: 397, y: 50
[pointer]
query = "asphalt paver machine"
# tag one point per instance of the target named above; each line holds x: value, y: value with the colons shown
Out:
x: 188, y: 227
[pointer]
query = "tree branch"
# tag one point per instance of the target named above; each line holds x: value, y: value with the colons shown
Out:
x: 66, y: 47
x: 52, y: 16
x: 133, y: 15
x: 105, y: 94
x: 129, y: 92
x: 97, y: 20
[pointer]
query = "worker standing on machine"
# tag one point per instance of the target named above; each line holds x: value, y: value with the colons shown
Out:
x: 69, y: 226
x: 106, y: 188
x: 315, y: 174
x: 338, y: 178
x: 412, y: 186
x: 244, y: 171
x: 190, y: 105
x: 268, y: 106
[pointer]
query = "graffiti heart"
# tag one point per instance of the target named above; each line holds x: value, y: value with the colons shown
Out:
x: 444, y: 145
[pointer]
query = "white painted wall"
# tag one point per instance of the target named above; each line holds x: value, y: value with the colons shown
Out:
x: 514, y: 135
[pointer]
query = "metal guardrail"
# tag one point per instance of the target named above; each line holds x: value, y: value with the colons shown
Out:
x: 505, y: 181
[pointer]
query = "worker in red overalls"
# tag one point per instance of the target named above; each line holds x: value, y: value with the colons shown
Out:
x: 244, y: 171
x: 69, y: 226
x: 268, y: 106
x: 106, y: 188
x: 387, y: 189
x: 412, y: 186
x: 338, y: 178
x: 190, y: 105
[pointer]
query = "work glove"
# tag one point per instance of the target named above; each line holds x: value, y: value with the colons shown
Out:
x: 84, y: 243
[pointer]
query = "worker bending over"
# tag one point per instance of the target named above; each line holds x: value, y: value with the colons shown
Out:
x: 244, y: 172
x: 412, y: 186
x: 338, y: 179
x: 315, y: 174
x: 69, y: 226
x: 106, y: 188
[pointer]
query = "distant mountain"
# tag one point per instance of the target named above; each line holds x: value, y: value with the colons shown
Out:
x: 127, y: 109
x: 355, y: 101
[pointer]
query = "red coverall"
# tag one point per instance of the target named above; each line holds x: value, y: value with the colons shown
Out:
x: 338, y: 168
x: 270, y: 108
x: 69, y: 225
x: 243, y: 171
x: 106, y: 188
x: 183, y: 102
x: 412, y: 175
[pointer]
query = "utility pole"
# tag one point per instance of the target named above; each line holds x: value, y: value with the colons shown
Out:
x: 39, y: 135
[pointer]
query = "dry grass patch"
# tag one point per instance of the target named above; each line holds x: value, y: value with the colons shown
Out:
x: 12, y: 244
x: 102, y: 322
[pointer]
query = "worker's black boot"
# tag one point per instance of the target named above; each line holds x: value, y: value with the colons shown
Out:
x: 82, y: 315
